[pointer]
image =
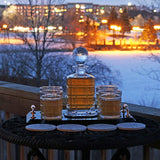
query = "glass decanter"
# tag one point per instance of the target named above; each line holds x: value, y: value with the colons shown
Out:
x: 80, y: 88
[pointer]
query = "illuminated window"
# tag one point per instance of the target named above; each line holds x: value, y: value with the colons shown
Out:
x: 82, y: 6
x: 102, y: 11
x: 77, y: 6
x: 90, y: 10
x: 60, y: 28
x: 120, y: 10
x: 81, y: 20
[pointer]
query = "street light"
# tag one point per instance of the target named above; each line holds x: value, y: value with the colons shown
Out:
x: 104, y: 21
x: 115, y: 28
x: 4, y: 26
x: 157, y: 27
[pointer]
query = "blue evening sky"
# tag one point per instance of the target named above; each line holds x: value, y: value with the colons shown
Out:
x: 106, y: 2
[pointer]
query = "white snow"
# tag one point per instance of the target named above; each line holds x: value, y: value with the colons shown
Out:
x: 136, y: 88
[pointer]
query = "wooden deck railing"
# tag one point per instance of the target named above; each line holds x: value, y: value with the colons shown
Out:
x: 16, y: 99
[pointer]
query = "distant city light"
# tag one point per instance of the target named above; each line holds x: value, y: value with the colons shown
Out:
x: 60, y: 28
x: 21, y: 29
x: 136, y: 28
x: 115, y: 27
x: 83, y: 7
x: 129, y: 3
x: 104, y: 21
x: 51, y: 27
x: 102, y: 11
x: 77, y: 6
x: 5, y: 26
x: 157, y: 27
x: 81, y: 20
x: 120, y: 10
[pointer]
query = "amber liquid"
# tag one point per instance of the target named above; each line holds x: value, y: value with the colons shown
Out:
x: 80, y: 93
x: 51, y: 108
x: 110, y: 108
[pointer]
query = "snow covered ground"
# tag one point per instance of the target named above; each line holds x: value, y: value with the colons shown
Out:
x: 136, y: 88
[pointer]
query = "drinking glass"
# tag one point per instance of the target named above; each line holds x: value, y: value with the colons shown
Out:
x: 109, y: 102
x: 51, y: 102
x: 104, y: 89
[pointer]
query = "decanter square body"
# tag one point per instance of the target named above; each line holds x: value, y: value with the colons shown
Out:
x: 80, y: 86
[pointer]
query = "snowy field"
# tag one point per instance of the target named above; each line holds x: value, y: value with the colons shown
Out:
x: 136, y: 88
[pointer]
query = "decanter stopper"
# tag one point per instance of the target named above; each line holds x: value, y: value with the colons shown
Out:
x: 80, y: 55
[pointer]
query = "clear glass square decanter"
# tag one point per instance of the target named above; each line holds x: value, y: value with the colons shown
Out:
x: 80, y: 88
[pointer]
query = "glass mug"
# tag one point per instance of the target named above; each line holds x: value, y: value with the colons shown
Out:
x: 104, y: 89
x: 110, y: 104
x: 51, y: 102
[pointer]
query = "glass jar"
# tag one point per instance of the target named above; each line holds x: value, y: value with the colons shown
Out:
x: 51, y: 102
x: 109, y: 101
x: 104, y: 89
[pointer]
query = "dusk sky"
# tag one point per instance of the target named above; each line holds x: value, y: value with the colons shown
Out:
x: 106, y: 2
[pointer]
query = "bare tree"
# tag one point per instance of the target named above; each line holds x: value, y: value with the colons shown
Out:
x: 38, y: 42
x: 55, y: 68
x: 11, y: 17
x: 152, y: 72
x: 65, y: 66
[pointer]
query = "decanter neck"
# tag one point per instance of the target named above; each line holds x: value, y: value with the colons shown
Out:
x: 81, y: 69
